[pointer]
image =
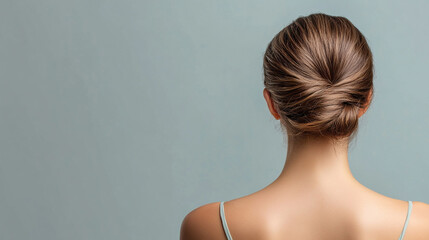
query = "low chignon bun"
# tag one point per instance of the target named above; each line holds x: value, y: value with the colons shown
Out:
x: 319, y: 73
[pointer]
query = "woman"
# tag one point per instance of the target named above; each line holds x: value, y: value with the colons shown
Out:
x: 318, y: 77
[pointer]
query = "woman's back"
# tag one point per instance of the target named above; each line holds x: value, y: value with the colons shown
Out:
x: 382, y: 218
x: 271, y: 215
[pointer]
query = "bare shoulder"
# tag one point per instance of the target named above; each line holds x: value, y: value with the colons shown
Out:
x: 419, y: 221
x: 202, y: 223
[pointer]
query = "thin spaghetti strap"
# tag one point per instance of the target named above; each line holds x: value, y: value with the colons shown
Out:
x: 224, y: 224
x: 410, y: 207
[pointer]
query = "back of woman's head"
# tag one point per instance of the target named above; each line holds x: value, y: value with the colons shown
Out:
x: 319, y: 71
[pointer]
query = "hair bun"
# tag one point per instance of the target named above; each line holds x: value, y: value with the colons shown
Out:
x: 319, y: 73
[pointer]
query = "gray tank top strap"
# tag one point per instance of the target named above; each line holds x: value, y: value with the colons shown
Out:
x: 224, y: 224
x: 410, y: 207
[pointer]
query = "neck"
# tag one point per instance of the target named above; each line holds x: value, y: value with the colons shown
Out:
x: 317, y: 164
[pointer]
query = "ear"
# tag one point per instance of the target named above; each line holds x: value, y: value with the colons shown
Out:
x: 368, y: 101
x: 270, y: 104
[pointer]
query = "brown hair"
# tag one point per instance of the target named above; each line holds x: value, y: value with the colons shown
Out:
x: 319, y: 73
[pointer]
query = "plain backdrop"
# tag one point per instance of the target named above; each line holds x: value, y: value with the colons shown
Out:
x: 117, y: 118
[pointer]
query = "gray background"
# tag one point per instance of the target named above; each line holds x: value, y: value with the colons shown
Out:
x: 120, y: 117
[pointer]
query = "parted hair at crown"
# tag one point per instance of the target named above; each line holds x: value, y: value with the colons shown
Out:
x: 318, y: 71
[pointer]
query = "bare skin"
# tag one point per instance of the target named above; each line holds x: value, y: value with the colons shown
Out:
x: 315, y: 197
